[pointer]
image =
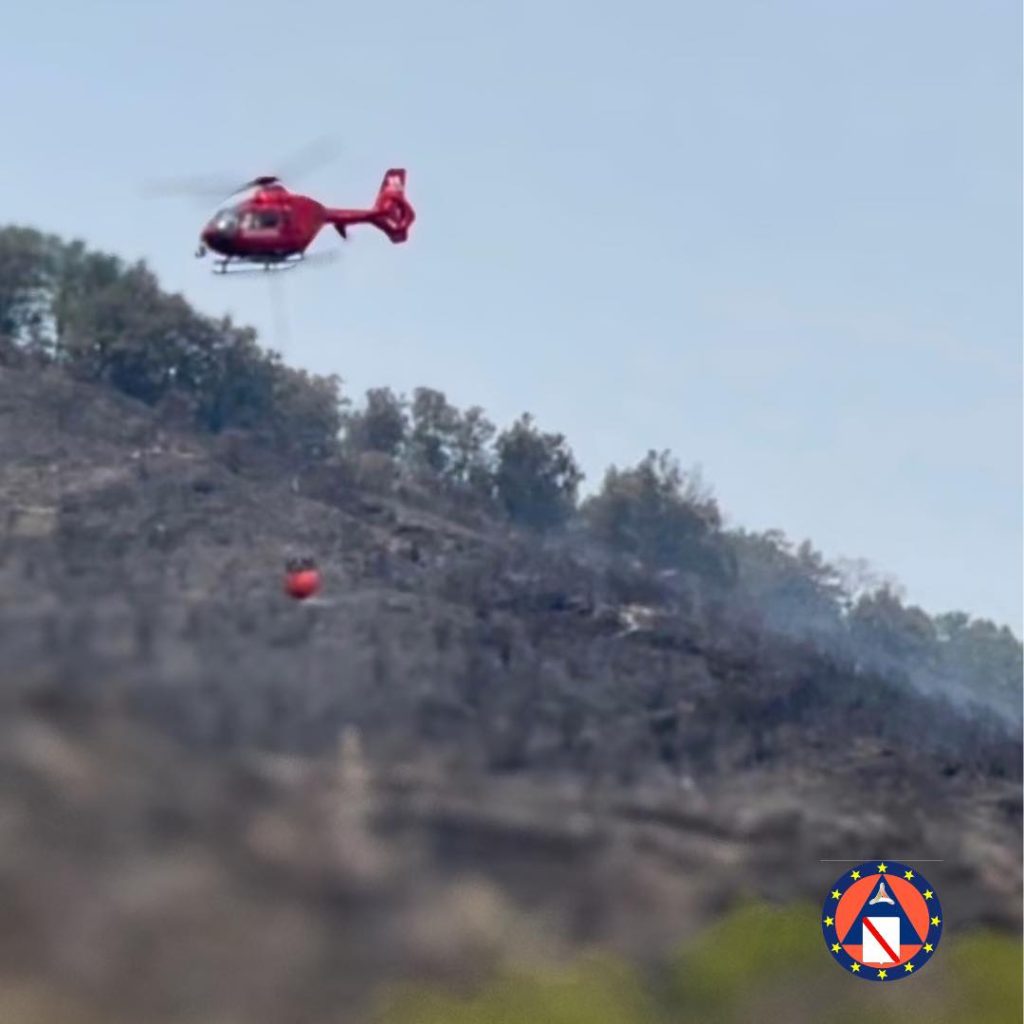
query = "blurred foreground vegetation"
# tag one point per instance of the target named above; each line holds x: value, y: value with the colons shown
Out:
x: 760, y: 963
x: 487, y: 611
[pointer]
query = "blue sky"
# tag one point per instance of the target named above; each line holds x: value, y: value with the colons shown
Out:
x: 782, y: 239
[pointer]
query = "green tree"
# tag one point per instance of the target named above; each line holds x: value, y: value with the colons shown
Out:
x: 80, y: 275
x: 307, y: 412
x: 536, y: 477
x: 450, y: 447
x: 126, y: 333
x: 794, y: 589
x: 472, y: 461
x: 433, y: 431
x: 28, y: 266
x: 235, y: 383
x: 658, y: 514
x: 111, y: 323
x: 380, y: 426
x: 901, y: 634
x: 986, y: 658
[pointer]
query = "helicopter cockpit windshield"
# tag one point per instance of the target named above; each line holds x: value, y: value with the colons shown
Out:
x: 225, y: 221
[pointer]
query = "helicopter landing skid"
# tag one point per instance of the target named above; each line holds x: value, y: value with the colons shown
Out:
x: 255, y: 266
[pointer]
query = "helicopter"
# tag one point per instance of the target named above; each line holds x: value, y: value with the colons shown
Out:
x: 273, y: 226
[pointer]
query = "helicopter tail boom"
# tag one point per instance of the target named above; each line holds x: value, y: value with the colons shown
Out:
x: 391, y: 211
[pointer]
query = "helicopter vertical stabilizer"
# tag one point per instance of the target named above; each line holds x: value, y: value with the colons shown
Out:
x: 392, y: 212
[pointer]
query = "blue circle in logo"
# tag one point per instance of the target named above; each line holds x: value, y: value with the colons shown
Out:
x: 882, y: 921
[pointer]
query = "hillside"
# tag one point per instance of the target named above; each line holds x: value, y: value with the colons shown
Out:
x: 507, y: 734
x: 518, y: 751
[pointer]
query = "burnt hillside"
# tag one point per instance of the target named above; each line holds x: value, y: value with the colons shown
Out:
x: 170, y: 716
x: 142, y: 566
x: 512, y: 728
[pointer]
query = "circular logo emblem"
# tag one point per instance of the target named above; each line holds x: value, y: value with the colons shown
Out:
x: 881, y: 921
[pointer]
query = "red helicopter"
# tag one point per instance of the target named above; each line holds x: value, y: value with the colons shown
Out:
x: 273, y: 227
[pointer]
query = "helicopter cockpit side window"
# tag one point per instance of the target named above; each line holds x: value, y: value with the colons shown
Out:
x: 261, y: 220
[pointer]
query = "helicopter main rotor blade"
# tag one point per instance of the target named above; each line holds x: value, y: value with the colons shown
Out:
x: 215, y: 188
x: 310, y: 157
x: 201, y: 187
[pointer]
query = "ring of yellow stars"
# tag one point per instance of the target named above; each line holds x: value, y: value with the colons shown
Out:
x: 845, y: 887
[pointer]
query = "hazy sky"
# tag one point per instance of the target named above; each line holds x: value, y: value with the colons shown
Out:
x: 781, y: 239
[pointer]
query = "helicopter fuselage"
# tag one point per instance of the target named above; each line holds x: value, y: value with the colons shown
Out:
x: 274, y: 224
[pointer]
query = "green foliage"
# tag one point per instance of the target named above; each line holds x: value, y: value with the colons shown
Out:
x: 110, y: 323
x: 434, y: 423
x: 470, y: 458
x: 852, y: 614
x: 596, y: 990
x: 735, y: 957
x: 977, y: 649
x: 81, y: 276
x: 896, y: 630
x: 125, y: 332
x: 305, y: 412
x: 528, y: 475
x: 658, y: 514
x: 450, y: 447
x: 765, y: 962
x: 987, y: 969
x: 429, y: 439
x: 758, y: 963
x: 381, y: 426
x: 536, y: 477
x: 28, y: 267
x: 971, y: 659
x: 233, y: 383
x: 791, y: 586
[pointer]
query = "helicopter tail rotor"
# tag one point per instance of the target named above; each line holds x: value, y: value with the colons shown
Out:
x: 393, y: 213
